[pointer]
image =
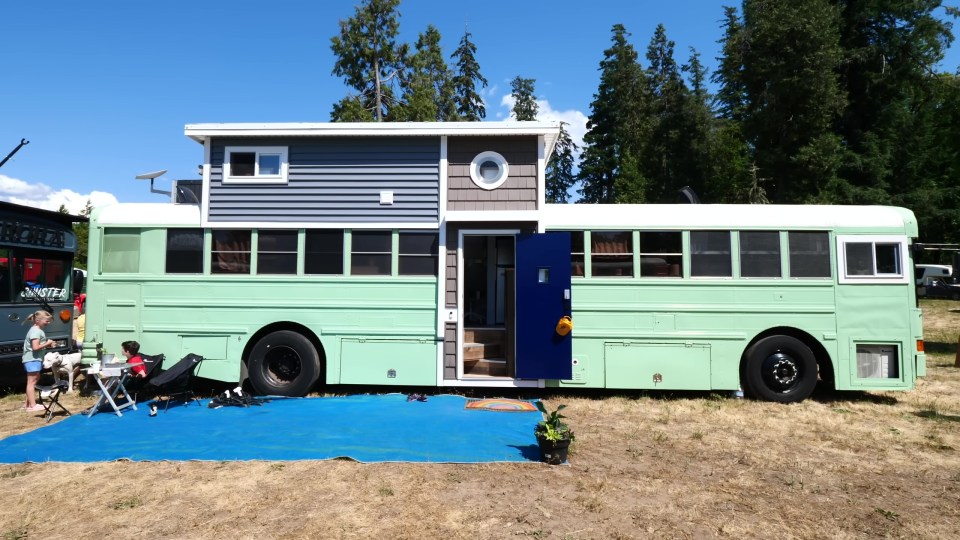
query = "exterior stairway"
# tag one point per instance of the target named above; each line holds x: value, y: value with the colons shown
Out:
x: 483, y: 352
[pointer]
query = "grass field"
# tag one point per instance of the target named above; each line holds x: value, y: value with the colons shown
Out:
x: 841, y: 465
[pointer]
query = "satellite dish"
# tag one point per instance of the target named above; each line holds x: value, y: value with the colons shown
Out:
x: 151, y: 175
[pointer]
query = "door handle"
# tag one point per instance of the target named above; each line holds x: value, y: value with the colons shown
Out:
x: 14, y: 317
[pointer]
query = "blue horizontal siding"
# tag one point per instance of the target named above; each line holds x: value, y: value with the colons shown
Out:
x: 335, y: 180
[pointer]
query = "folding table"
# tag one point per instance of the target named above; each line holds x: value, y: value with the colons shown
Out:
x: 110, y: 379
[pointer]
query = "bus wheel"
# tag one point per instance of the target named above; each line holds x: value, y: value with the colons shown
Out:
x: 283, y: 363
x: 781, y: 369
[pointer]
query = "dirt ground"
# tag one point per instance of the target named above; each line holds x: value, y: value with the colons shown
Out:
x: 841, y: 465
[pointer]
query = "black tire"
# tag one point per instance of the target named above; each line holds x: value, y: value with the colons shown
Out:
x: 283, y: 363
x: 781, y: 369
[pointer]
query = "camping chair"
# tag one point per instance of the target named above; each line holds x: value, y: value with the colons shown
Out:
x: 176, y: 382
x: 152, y: 363
x: 49, y: 397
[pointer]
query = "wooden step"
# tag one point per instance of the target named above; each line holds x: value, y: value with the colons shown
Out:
x: 483, y: 335
x: 477, y: 351
x: 490, y: 367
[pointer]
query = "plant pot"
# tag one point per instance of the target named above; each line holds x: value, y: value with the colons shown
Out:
x: 553, y: 452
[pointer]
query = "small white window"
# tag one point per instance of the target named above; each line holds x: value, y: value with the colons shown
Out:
x: 255, y: 164
x: 872, y: 259
x: 489, y: 170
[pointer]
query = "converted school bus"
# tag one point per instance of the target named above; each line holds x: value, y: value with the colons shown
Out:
x: 424, y: 254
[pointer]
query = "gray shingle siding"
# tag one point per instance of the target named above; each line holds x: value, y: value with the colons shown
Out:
x: 519, y: 192
x: 335, y: 180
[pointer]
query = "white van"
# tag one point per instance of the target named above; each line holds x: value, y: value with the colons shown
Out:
x: 925, y: 273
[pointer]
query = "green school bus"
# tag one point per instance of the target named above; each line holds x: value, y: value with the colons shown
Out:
x: 290, y: 271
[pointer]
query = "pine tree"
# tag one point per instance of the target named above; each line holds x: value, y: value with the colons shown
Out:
x: 559, y: 175
x: 609, y: 169
x: 469, y: 103
x: 668, y: 162
x: 524, y: 103
x: 369, y: 59
x: 427, y: 83
x: 732, y: 95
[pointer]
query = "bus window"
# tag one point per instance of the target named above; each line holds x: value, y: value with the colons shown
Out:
x: 809, y: 254
x: 277, y: 252
x: 710, y: 254
x: 231, y: 252
x: 121, y: 251
x: 576, y: 254
x: 370, y: 254
x: 44, y: 275
x: 184, y: 251
x: 661, y: 254
x: 612, y: 253
x: 6, y: 282
x: 323, y: 252
x: 760, y: 254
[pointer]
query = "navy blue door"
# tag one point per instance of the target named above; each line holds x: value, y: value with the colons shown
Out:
x: 542, y: 297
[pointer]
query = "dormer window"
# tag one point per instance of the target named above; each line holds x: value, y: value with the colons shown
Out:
x: 260, y: 165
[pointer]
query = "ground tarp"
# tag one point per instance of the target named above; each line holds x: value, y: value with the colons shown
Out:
x: 366, y: 428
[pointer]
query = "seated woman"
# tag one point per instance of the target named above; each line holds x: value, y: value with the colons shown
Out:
x: 131, y: 351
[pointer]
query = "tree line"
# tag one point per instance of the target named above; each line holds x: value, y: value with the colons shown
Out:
x: 812, y: 102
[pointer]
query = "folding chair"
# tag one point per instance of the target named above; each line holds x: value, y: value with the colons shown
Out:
x: 176, y: 382
x: 49, y: 397
x: 152, y: 364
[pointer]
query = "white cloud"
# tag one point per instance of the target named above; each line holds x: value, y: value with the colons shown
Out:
x: 43, y: 196
x: 576, y: 120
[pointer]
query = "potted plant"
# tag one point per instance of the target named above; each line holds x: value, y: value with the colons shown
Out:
x: 553, y: 435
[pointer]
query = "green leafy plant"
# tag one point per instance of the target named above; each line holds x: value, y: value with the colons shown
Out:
x: 552, y: 427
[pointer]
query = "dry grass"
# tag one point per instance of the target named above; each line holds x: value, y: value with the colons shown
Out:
x: 838, y: 466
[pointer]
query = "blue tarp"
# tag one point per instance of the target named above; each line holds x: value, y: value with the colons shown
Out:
x: 367, y: 428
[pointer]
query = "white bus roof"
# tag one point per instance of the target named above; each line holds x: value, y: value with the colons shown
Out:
x: 148, y: 214
x: 587, y: 216
x: 678, y: 216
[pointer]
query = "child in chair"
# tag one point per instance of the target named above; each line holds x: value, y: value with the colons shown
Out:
x: 131, y: 351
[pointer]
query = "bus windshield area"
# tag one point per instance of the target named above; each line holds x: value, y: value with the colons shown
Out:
x: 27, y: 276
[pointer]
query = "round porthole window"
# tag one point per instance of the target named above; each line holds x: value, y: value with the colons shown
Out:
x: 489, y: 170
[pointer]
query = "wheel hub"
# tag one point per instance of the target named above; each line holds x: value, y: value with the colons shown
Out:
x: 283, y: 364
x: 783, y: 369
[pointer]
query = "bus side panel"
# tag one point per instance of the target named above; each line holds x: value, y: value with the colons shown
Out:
x: 388, y: 362
x: 680, y: 315
x: 870, y: 318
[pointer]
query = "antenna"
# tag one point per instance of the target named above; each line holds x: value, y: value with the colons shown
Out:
x: 153, y: 176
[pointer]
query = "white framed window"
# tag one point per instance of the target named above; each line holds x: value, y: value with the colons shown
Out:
x: 872, y: 259
x: 489, y: 170
x: 255, y: 165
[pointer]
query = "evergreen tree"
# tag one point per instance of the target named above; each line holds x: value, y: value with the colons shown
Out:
x: 524, y: 103
x: 668, y: 162
x: 369, y: 59
x: 790, y: 60
x: 469, y: 103
x: 559, y: 175
x: 731, y: 95
x: 890, y: 49
x: 427, y: 84
x: 609, y: 168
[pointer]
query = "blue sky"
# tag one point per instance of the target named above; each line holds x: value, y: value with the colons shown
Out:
x: 102, y: 89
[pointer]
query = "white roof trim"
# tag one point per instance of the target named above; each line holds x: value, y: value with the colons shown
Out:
x: 199, y: 132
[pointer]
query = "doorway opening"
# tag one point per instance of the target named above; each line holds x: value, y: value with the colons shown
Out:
x: 488, y: 306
